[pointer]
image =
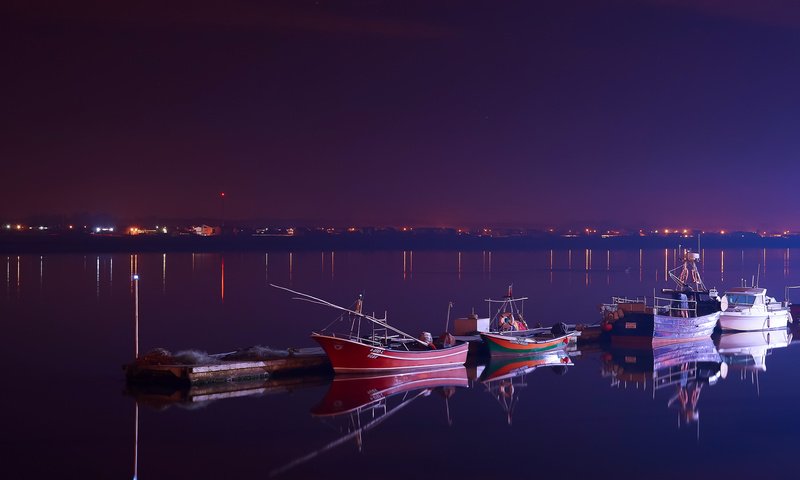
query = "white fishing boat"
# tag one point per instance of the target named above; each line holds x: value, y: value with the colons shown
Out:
x: 747, y: 309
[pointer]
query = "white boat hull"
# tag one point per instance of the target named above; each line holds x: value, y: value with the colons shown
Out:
x: 745, y: 341
x: 745, y: 322
x: 668, y: 328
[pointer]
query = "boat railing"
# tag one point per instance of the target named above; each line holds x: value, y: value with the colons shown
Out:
x: 629, y: 300
x: 674, y: 307
x: 617, y: 301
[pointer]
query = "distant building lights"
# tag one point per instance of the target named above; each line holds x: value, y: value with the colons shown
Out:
x: 722, y: 232
x: 19, y: 227
x: 71, y: 226
x: 8, y: 226
x: 97, y: 229
x: 164, y: 230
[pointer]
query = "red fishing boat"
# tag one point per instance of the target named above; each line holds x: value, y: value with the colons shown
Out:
x: 382, y: 348
x: 349, y: 355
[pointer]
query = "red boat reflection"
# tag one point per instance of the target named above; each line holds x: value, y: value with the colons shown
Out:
x: 360, y: 403
x: 352, y: 392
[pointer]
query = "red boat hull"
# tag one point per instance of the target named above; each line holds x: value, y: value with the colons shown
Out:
x: 349, y: 356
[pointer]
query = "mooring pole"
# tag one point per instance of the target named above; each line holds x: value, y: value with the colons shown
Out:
x: 136, y: 316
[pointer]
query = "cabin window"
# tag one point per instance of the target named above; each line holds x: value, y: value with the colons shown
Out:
x: 739, y: 299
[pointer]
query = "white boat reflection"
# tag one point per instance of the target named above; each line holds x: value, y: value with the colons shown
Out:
x: 747, y: 352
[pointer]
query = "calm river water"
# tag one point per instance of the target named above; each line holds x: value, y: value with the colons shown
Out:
x: 67, y: 322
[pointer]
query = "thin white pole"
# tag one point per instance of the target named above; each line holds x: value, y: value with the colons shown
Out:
x: 136, y: 315
x: 136, y: 443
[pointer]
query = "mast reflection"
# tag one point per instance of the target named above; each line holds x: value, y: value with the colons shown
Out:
x: 504, y: 378
x: 355, y: 404
x: 682, y: 369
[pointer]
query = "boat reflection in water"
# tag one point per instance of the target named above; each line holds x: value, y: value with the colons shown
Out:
x: 682, y: 369
x: 161, y: 396
x: 359, y: 403
x: 747, y: 351
x: 505, y: 377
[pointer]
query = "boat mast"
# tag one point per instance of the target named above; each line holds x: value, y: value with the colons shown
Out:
x: 689, y: 275
x: 318, y: 301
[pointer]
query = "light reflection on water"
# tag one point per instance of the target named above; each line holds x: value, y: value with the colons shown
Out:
x: 73, y: 329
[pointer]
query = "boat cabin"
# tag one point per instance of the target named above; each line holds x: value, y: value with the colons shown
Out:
x: 747, y: 296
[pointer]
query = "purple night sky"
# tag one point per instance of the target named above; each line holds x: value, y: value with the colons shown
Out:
x: 657, y: 112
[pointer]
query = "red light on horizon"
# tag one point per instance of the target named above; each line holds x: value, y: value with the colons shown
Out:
x: 221, y: 194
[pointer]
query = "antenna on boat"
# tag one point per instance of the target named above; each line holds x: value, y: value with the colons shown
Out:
x: 758, y: 275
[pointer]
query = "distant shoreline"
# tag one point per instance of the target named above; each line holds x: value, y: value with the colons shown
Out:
x: 56, y: 243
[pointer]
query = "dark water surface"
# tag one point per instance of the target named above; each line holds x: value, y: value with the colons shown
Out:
x: 67, y: 323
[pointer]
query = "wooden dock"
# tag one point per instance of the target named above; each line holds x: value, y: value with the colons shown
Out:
x: 161, y: 396
x: 160, y: 367
x: 220, y: 367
